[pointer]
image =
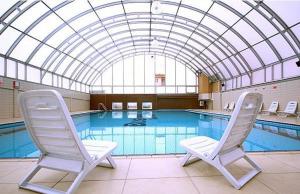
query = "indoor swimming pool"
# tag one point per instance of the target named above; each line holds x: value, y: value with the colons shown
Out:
x: 153, y: 132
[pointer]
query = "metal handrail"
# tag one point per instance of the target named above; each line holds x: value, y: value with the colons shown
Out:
x: 101, y: 105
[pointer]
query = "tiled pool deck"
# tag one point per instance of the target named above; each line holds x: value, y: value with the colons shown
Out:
x: 164, y: 175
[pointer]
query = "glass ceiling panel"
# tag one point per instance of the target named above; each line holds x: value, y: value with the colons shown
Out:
x: 210, y: 56
x: 231, y: 67
x: 235, y: 40
x: 170, y: 9
x: 241, y: 67
x: 282, y: 46
x: 296, y: 31
x: 60, y: 36
x: 110, y: 11
x: 251, y: 59
x: 84, y: 21
x: 41, y: 55
x: 247, y: 32
x: 29, y: 16
x: 289, y: 12
x: 61, y: 68
x: 213, y: 24
x: 238, y: 5
x: 217, y: 51
x: 223, y: 70
x: 78, y: 49
x: 46, y: 26
x: 200, y: 39
x: 188, y: 13
x: 72, y: 9
x: 5, y: 5
x: 137, y: 7
x: 262, y: 23
x: 7, y: 38
x: 224, y: 14
x: 204, y: 5
x: 87, y: 51
x: 24, y: 48
x: 267, y: 54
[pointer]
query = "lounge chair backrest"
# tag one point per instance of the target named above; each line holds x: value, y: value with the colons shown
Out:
x: 273, y: 107
x: 231, y: 106
x: 50, y: 125
x: 226, y: 106
x: 291, y: 107
x: 240, y: 123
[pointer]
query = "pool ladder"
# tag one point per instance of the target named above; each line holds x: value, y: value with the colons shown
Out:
x: 101, y: 105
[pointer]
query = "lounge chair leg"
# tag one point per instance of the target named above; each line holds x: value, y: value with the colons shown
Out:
x: 185, y: 159
x: 229, y: 177
x: 77, y: 181
x: 30, y: 175
x: 111, y: 161
x: 252, y: 163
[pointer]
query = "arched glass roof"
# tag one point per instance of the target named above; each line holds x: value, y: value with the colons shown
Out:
x: 238, y: 42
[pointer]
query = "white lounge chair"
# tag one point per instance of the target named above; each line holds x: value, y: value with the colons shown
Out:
x: 231, y: 106
x: 117, y: 106
x: 51, y: 128
x: 229, y: 149
x: 273, y: 107
x: 132, y: 106
x: 261, y: 108
x: 290, y: 109
x: 147, y: 105
x: 226, y: 106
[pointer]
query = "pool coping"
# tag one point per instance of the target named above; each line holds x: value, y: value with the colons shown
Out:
x: 197, y: 111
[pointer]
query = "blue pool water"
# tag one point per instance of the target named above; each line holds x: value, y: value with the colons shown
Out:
x: 153, y: 132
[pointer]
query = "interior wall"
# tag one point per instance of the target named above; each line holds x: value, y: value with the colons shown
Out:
x: 283, y: 92
x: 184, y: 101
x: 76, y: 101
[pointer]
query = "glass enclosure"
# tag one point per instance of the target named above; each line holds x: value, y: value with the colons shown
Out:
x: 102, y: 45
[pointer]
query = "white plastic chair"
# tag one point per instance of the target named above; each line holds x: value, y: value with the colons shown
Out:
x: 273, y: 107
x: 117, y: 106
x: 51, y: 128
x: 132, y: 106
x: 231, y: 106
x: 226, y: 106
x: 147, y: 105
x: 229, y: 149
x: 290, y: 109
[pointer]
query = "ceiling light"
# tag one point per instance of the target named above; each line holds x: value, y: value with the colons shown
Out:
x: 156, y: 7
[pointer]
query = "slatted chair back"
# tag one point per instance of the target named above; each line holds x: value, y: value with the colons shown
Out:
x: 240, y: 123
x: 50, y: 125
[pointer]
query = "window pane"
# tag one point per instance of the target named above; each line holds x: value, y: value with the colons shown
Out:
x: 290, y: 69
x: 11, y: 69
x: 118, y: 74
x: 2, y: 67
x: 34, y: 73
x: 65, y: 83
x: 139, y: 70
x: 149, y: 70
x: 170, y: 72
x: 128, y: 71
x: 47, y: 79
x: 21, y: 71
x: 180, y: 75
